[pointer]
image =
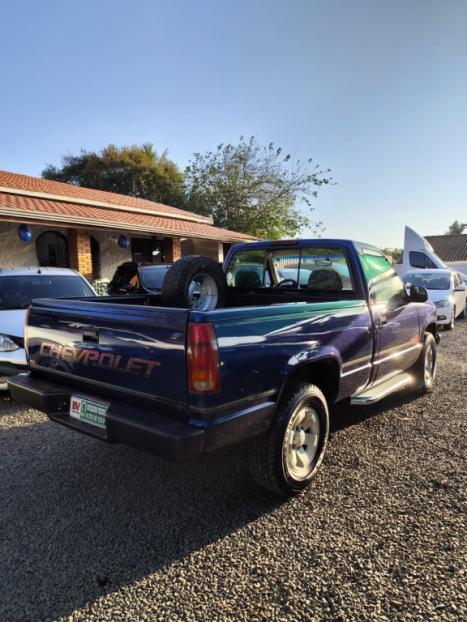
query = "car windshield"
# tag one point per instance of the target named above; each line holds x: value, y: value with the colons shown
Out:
x: 428, y: 280
x: 152, y: 276
x: 17, y: 292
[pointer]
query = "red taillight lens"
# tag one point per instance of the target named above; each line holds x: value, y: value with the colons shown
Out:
x: 202, y: 359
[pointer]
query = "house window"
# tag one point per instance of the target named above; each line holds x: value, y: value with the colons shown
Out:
x: 52, y: 250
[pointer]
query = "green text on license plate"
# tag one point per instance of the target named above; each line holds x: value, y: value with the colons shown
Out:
x: 88, y: 411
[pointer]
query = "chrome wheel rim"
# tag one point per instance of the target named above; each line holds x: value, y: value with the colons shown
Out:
x: 429, y: 370
x: 202, y: 293
x: 301, y: 442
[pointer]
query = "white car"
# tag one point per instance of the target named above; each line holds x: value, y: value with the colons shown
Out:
x: 446, y: 290
x: 18, y: 287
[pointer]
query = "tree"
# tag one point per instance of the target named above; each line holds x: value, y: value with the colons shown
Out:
x: 456, y: 228
x: 253, y: 189
x: 395, y: 254
x: 137, y: 171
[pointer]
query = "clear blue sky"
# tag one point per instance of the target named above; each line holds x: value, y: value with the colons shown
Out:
x: 374, y: 89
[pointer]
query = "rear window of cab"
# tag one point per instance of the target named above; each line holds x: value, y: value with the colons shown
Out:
x: 313, y: 268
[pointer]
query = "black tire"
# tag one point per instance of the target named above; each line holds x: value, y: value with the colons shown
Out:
x: 179, y: 277
x: 424, y: 382
x: 461, y: 315
x: 267, y: 453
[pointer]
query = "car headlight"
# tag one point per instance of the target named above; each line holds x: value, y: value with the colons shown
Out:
x: 7, y: 344
x: 442, y: 303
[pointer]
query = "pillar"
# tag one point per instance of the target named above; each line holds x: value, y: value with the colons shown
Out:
x: 79, y: 250
x: 171, y: 249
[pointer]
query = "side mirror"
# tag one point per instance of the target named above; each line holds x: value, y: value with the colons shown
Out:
x: 418, y: 294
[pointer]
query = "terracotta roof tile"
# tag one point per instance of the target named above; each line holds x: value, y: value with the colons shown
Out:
x: 449, y: 247
x: 22, y: 207
x: 37, y: 184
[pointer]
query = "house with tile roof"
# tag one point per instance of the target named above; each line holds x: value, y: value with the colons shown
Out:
x: 80, y: 228
x: 452, y: 249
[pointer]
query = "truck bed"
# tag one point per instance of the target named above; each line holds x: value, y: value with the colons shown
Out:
x: 137, y: 353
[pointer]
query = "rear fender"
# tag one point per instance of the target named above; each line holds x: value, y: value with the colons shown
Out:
x: 321, y: 367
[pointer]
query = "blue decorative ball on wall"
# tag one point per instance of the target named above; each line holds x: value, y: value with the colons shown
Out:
x: 25, y: 233
x: 123, y: 241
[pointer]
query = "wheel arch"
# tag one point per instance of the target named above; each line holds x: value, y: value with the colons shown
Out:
x: 323, y: 372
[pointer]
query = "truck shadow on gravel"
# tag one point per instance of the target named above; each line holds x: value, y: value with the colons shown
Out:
x: 80, y: 518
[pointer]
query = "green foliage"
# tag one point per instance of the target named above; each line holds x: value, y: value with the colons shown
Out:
x: 245, y: 187
x: 393, y: 253
x: 253, y: 189
x: 137, y: 171
x: 456, y: 228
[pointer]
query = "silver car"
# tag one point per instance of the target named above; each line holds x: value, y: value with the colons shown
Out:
x: 18, y: 287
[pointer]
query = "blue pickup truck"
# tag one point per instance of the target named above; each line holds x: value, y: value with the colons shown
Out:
x: 303, y: 324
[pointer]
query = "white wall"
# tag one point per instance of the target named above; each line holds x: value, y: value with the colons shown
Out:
x: 14, y: 253
x: 111, y: 253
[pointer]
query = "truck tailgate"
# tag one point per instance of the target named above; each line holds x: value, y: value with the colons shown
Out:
x: 125, y: 352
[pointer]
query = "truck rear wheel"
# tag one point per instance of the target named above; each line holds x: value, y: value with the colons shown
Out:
x: 288, y: 456
x: 194, y: 282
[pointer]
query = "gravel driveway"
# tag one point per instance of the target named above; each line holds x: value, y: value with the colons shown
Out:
x: 96, y: 532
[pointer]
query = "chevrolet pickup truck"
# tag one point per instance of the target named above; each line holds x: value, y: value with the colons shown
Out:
x: 304, y: 324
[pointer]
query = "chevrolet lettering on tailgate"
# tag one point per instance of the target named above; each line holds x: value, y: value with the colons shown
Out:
x: 105, y: 360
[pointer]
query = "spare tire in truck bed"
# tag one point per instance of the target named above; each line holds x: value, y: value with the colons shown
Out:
x: 194, y: 282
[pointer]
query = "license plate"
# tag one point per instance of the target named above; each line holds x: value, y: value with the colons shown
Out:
x: 88, y: 410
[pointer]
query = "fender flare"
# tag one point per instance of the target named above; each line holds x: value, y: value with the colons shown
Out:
x: 308, y: 358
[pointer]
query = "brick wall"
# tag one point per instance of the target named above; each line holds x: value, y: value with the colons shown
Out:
x: 172, y: 249
x: 79, y: 250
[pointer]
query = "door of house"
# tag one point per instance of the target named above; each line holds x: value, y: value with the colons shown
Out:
x: 52, y: 250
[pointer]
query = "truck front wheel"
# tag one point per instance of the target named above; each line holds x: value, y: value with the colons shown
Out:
x: 424, y: 369
x: 288, y: 456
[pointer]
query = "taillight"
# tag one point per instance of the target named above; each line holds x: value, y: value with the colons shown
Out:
x: 25, y: 332
x: 202, y: 359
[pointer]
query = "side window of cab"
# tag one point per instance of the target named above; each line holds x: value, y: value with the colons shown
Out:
x: 384, y: 284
